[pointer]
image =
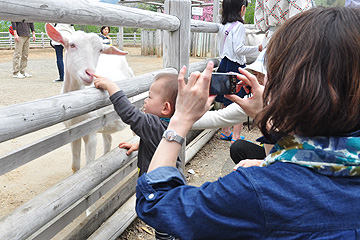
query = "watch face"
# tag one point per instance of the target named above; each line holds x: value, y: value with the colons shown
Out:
x: 170, y: 135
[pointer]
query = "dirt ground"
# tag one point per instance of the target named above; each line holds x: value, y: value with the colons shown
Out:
x: 24, y: 183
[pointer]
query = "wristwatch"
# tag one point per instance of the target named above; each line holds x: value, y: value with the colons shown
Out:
x: 171, y: 135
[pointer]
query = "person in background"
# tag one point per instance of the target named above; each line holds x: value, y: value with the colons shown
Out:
x: 66, y: 30
x: 352, y: 3
x: 309, y: 186
x: 232, y: 50
x: 270, y: 14
x: 22, y: 45
x: 105, y: 30
x: 243, y: 149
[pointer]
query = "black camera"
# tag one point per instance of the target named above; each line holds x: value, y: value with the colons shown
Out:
x: 223, y: 83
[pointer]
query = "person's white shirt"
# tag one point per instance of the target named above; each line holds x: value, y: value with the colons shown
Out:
x: 229, y: 116
x: 66, y: 31
x: 234, y: 47
x: 352, y: 3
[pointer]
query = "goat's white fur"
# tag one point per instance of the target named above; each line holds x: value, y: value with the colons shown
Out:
x: 83, y: 51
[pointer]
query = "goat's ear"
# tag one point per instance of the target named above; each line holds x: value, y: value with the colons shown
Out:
x: 56, y: 35
x: 112, y: 50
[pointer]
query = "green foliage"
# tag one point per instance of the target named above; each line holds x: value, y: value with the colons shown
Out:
x: 149, y: 7
x: 4, y: 26
x: 90, y: 28
x: 329, y: 3
x: 250, y: 11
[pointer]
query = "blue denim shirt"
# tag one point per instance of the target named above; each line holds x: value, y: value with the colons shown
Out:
x: 280, y: 201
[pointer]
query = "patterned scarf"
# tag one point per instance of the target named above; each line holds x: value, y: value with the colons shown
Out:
x: 331, y: 156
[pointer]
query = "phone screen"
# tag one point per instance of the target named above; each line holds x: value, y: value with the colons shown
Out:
x: 223, y: 83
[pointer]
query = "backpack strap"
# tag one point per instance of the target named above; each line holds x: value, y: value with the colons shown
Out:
x: 227, y: 33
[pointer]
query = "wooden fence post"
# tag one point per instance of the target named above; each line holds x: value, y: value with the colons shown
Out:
x: 120, y: 38
x: 151, y: 43
x: 158, y: 40
x: 213, y: 36
x: 42, y: 40
x: 177, y: 43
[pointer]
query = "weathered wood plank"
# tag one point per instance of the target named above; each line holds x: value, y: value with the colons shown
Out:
x: 106, y: 208
x: 86, y: 13
x: 117, y: 223
x: 203, y: 26
x: 201, y: 65
x: 125, y: 178
x: 195, y: 145
x: 37, y: 212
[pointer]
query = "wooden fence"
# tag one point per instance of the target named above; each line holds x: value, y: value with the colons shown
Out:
x: 149, y: 40
x: 43, y: 41
x: 114, y: 174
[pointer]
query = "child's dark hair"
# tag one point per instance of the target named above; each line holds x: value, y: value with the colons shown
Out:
x: 170, y: 90
x: 103, y: 27
x: 313, y: 86
x: 231, y: 10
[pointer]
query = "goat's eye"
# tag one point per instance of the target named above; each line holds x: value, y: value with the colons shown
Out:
x: 101, y: 50
x: 72, y: 45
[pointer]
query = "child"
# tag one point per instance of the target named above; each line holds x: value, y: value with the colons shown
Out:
x: 148, y: 125
x: 232, y: 50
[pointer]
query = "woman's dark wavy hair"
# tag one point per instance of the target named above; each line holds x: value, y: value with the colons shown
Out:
x: 231, y: 10
x: 102, y: 29
x: 313, y: 67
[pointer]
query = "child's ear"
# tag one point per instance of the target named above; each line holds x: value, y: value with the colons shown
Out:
x: 166, y: 111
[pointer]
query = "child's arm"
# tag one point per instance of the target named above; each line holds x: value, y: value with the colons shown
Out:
x: 106, y: 84
x: 131, y: 146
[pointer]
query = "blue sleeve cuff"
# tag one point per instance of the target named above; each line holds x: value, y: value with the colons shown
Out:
x: 164, y: 174
x: 146, y: 182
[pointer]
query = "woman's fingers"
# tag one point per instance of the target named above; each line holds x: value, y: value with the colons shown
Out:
x: 181, y: 82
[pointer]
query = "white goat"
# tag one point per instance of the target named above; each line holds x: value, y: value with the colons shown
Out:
x: 81, y: 57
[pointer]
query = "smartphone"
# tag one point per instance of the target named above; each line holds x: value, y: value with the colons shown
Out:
x: 223, y: 83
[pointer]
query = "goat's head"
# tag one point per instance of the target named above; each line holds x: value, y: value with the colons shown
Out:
x: 82, y: 53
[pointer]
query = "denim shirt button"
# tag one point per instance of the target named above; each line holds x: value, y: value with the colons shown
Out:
x: 151, y: 196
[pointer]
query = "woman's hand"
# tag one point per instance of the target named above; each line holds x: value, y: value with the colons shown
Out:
x: 193, y: 98
x: 253, y: 105
x: 248, y: 163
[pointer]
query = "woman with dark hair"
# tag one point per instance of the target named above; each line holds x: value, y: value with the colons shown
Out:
x: 309, y: 186
x: 105, y: 30
x: 232, y: 50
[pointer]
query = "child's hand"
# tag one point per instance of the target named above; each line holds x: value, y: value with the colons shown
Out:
x: 106, y: 84
x: 248, y: 163
x: 131, y: 146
